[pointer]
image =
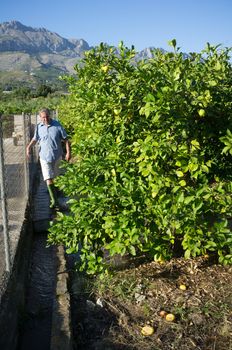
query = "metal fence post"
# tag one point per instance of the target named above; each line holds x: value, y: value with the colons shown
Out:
x: 4, y: 203
x: 26, y: 168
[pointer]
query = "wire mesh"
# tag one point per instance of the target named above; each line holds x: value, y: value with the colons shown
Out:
x: 16, y: 174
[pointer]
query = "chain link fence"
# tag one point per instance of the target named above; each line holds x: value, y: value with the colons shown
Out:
x: 16, y: 179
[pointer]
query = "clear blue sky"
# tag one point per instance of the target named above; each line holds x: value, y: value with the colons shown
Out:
x: 141, y: 23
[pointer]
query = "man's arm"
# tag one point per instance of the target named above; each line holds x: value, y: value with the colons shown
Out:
x: 68, y: 150
x: 28, y: 149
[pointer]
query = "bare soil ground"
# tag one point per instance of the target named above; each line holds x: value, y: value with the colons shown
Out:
x: 110, y: 313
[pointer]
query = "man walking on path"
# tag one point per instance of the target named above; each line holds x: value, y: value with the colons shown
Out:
x: 50, y: 134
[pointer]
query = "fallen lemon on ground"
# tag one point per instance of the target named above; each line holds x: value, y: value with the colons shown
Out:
x: 147, y: 330
x: 163, y: 313
x: 182, y: 287
x: 170, y: 317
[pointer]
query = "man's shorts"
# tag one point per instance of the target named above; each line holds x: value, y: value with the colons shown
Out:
x: 50, y: 170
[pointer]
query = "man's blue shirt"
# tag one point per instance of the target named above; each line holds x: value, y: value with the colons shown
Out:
x: 49, y: 138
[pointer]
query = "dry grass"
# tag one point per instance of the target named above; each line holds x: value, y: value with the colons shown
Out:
x: 134, y: 297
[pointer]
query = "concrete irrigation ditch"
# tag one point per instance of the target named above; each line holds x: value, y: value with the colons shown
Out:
x: 35, y: 305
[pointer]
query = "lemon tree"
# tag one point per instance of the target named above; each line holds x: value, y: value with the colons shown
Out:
x: 148, y: 172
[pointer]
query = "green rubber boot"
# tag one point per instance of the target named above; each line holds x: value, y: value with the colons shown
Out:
x: 53, y: 196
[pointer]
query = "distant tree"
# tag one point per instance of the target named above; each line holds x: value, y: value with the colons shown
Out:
x: 43, y: 90
x: 23, y: 92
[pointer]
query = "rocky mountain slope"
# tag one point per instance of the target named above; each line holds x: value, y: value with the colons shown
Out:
x: 29, y: 49
x: 15, y: 36
x: 38, y: 52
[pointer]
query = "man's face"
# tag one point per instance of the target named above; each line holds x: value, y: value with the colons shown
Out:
x: 45, y: 119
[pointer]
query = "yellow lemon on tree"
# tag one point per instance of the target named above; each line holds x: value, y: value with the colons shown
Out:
x: 201, y: 112
x: 117, y: 111
x: 105, y: 68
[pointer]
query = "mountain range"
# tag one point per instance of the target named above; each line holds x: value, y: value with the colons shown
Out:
x: 29, y: 54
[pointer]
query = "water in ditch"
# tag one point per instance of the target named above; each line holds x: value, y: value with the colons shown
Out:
x: 35, y: 329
